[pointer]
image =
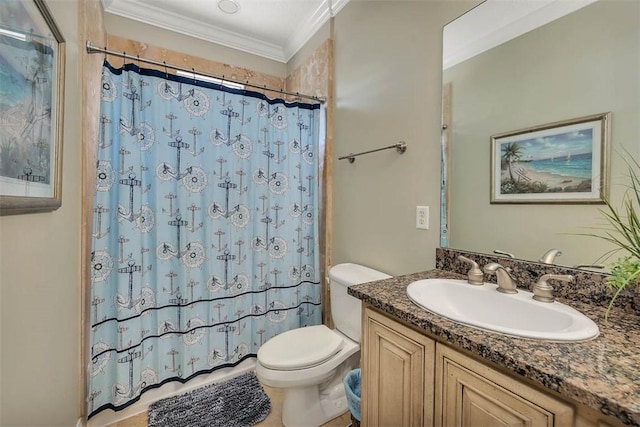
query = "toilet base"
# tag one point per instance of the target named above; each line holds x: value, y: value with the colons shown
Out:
x: 305, y: 407
x: 314, y: 395
x: 314, y: 405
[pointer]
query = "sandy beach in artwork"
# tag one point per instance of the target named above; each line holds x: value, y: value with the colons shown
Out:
x: 522, y: 172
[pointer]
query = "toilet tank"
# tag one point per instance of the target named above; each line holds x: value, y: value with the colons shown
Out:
x: 345, y: 309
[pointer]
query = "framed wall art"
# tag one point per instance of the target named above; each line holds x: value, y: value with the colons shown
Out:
x: 561, y: 162
x: 32, y: 55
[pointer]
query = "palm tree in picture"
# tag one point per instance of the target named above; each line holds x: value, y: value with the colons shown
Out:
x: 511, y: 152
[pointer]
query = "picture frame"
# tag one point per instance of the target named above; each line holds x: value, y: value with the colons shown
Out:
x: 561, y: 162
x: 32, y: 70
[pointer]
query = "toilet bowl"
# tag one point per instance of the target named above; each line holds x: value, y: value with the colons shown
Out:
x: 310, y: 363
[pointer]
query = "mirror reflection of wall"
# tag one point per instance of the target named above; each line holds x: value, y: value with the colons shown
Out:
x: 586, y: 62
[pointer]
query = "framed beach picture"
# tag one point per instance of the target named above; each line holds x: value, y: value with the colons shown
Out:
x: 561, y: 162
x: 32, y: 55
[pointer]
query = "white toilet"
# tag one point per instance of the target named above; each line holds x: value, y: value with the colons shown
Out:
x: 310, y: 363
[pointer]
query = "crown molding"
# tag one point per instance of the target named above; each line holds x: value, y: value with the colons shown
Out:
x: 149, y: 14
x: 337, y: 6
x: 307, y: 29
x: 152, y: 15
x: 303, y: 33
x: 491, y: 24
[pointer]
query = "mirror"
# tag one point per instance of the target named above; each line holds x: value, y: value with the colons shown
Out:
x: 581, y: 63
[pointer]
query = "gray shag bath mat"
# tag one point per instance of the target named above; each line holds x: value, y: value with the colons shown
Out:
x: 238, y: 402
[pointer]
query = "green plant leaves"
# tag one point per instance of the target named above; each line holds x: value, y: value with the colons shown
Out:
x: 625, y: 234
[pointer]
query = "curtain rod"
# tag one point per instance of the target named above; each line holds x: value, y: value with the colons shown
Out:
x: 95, y: 49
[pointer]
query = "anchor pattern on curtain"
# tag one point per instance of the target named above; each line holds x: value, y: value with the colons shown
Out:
x: 205, y: 229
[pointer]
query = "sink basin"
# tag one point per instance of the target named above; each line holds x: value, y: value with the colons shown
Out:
x: 511, y: 314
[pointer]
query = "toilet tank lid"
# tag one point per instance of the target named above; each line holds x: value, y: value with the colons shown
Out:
x: 353, y: 274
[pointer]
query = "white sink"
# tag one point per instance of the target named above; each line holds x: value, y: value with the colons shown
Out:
x: 511, y: 314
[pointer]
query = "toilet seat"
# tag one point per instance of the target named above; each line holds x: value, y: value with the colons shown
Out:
x: 300, y: 348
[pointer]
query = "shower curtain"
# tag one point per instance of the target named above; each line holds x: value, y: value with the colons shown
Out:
x: 205, y: 240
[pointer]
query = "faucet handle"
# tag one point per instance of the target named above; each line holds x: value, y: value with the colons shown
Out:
x: 475, y: 276
x: 598, y: 266
x: 499, y: 252
x: 550, y: 256
x: 543, y: 291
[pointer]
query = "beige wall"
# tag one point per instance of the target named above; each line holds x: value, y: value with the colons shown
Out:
x: 314, y: 76
x: 578, y: 65
x: 388, y: 88
x: 134, y: 30
x: 92, y: 23
x: 207, y: 65
x: 40, y: 281
x: 315, y: 42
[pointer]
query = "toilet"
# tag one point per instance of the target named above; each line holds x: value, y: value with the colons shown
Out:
x: 310, y: 363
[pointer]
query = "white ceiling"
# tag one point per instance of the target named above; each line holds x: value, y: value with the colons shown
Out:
x: 274, y: 29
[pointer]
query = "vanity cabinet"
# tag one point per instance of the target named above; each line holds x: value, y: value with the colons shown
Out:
x: 410, y: 380
x: 397, y: 373
x: 469, y: 393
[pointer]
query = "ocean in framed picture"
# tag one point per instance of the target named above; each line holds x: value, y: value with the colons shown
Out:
x: 553, y: 163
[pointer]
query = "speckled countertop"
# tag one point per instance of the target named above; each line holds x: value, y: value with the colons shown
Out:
x: 603, y: 374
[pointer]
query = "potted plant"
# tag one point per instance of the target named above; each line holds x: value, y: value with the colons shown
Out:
x: 625, y: 234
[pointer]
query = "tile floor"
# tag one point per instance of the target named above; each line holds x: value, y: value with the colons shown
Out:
x: 273, y: 420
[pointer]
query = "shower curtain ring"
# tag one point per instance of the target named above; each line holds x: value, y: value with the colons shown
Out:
x: 166, y: 74
x: 193, y: 70
x: 105, y: 53
x: 138, y: 61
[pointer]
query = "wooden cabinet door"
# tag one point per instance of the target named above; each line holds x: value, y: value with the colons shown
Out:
x: 472, y: 394
x: 397, y: 374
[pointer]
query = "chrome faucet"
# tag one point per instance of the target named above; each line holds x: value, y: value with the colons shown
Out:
x: 550, y: 256
x: 506, y: 283
x: 475, y: 276
x: 543, y: 291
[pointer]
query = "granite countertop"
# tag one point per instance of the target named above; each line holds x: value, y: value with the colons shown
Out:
x: 603, y: 374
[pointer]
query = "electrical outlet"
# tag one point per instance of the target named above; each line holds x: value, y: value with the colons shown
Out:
x: 422, y: 217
